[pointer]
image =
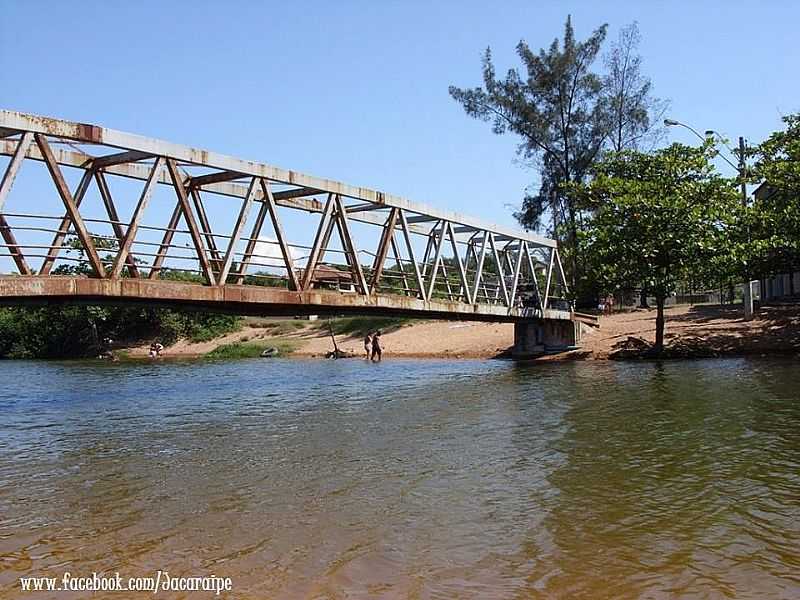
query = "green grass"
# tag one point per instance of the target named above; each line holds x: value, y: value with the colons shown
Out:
x: 280, y: 327
x: 252, y: 349
x: 358, y: 326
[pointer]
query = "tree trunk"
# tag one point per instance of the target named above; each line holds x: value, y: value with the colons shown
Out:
x: 643, y: 299
x: 659, y: 345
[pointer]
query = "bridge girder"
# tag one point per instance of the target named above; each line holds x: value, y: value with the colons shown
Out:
x: 495, y: 282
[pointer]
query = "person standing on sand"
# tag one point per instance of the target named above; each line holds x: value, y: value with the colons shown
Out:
x: 376, y: 346
x: 367, y: 345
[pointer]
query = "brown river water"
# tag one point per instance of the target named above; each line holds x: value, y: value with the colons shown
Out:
x: 408, y: 479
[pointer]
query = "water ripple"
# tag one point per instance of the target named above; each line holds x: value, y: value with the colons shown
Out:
x: 409, y: 479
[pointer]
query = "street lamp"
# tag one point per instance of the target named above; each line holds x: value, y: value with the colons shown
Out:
x: 741, y: 169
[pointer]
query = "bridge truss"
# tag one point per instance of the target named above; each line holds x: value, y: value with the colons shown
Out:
x: 127, y: 212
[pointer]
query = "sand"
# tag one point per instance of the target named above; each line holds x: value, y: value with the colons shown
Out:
x: 699, y: 330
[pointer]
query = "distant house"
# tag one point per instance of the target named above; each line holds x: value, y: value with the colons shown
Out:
x: 331, y: 278
x: 776, y: 286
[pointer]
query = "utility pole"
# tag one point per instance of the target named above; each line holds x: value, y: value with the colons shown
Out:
x: 747, y: 296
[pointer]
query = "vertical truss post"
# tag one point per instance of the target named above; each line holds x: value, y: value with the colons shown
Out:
x: 111, y: 210
x: 211, y: 243
x: 461, y: 273
x: 409, y: 245
x: 194, y: 232
x: 237, y: 231
x: 69, y: 203
x: 547, y: 285
x: 501, y: 276
x: 63, y: 228
x: 351, y: 252
x: 322, y: 229
x: 130, y: 235
x: 479, y: 267
x: 387, y: 238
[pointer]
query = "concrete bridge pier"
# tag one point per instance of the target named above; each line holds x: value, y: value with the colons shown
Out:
x: 540, y: 336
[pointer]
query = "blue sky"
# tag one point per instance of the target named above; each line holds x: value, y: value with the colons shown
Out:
x: 357, y: 90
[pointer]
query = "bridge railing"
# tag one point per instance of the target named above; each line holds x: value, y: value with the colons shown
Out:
x: 101, y: 203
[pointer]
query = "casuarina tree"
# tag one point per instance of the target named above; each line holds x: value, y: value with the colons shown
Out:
x: 567, y: 114
x: 554, y: 107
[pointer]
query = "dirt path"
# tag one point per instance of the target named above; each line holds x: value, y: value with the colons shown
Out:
x: 702, y: 329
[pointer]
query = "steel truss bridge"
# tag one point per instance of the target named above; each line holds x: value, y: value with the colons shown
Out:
x: 98, y: 215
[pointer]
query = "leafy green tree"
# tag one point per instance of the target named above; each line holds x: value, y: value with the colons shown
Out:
x: 775, y: 219
x: 656, y: 218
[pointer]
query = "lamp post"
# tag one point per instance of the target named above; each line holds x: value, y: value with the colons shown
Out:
x: 741, y: 169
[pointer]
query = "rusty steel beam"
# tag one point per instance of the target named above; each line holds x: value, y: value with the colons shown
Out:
x: 532, y: 267
x: 399, y: 264
x: 211, y: 243
x: 94, y: 134
x: 280, y: 236
x: 547, y: 285
x: 501, y: 275
x: 69, y: 203
x: 298, y: 193
x: 222, y: 176
x: 255, y: 182
x: 479, y: 265
x: 63, y: 228
x: 387, y: 237
x: 111, y: 210
x: 5, y: 187
x: 129, y: 156
x: 410, y: 248
x: 296, y: 199
x: 188, y: 216
x: 13, y: 247
x: 133, y: 227
x: 237, y: 231
x: 19, y: 154
x: 351, y: 251
x: 169, y: 233
x: 256, y: 300
x: 560, y: 270
x: 461, y: 273
x: 319, y: 243
x: 437, y: 258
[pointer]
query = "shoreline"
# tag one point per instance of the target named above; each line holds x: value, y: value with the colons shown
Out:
x: 692, y: 332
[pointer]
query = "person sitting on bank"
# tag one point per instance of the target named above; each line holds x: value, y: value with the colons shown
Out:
x: 155, y: 350
x: 376, y: 346
x: 367, y: 345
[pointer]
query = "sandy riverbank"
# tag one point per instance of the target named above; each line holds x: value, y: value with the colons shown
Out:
x: 691, y: 331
